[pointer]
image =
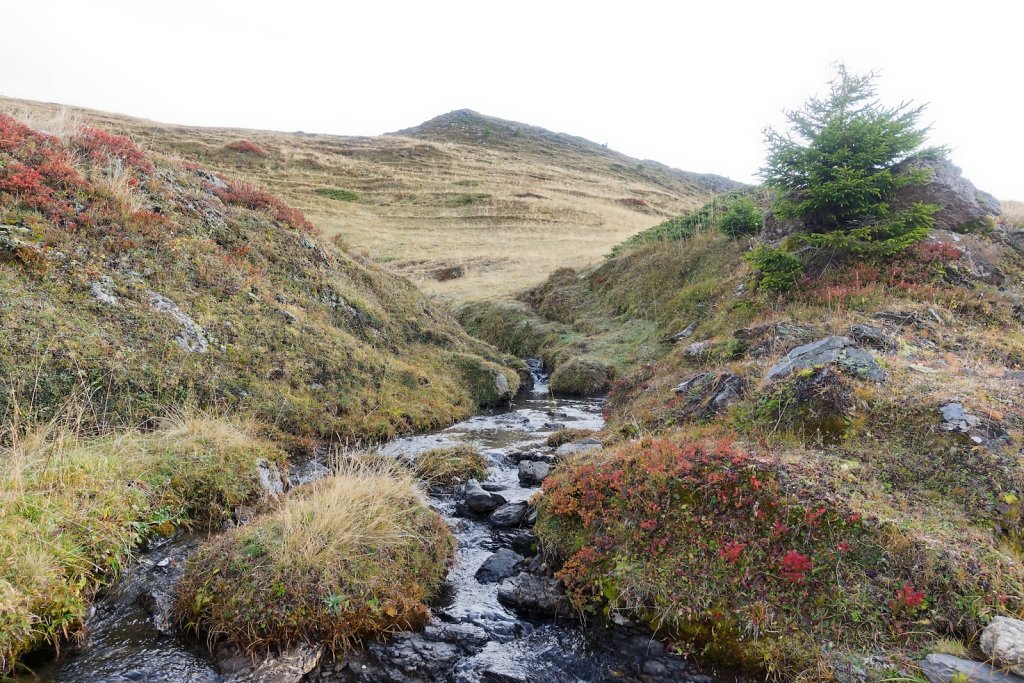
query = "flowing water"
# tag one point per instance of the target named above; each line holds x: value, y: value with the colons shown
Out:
x: 472, y: 636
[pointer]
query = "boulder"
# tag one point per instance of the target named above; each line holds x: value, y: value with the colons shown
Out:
x: 582, y: 446
x: 537, y: 595
x: 871, y: 336
x: 1003, y: 642
x: 949, y: 669
x: 480, y: 501
x: 955, y: 418
x: 533, y: 472
x: 500, y: 565
x: 509, y: 514
x: 964, y: 208
x: 706, y: 393
x: 685, y: 333
x: 501, y: 386
x: 840, y: 351
x: 287, y: 667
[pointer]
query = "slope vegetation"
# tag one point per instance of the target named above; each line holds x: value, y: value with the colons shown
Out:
x: 137, y: 283
x: 837, y: 464
x: 466, y: 205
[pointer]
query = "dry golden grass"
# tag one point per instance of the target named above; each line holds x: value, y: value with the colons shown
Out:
x: 1013, y: 213
x: 350, y: 557
x: 507, y: 214
x: 73, y: 508
x: 362, y: 510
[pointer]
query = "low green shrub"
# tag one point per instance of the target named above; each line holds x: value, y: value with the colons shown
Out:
x: 741, y: 217
x: 778, y: 268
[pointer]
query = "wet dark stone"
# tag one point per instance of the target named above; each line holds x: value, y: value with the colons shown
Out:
x: 533, y: 472
x: 479, y: 501
x: 520, y: 540
x: 535, y: 595
x: 500, y: 565
x: 509, y: 514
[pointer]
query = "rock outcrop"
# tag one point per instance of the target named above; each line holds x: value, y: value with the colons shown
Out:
x: 840, y: 351
x: 964, y: 208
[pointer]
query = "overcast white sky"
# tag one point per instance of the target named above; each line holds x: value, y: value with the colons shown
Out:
x: 688, y: 84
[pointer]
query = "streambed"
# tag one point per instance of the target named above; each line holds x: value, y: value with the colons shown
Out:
x: 472, y: 636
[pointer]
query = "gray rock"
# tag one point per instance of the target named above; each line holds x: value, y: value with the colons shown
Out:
x: 582, y: 446
x: 729, y: 389
x: 501, y: 387
x: 192, y: 336
x: 949, y: 669
x: 682, y: 334
x: 1014, y: 375
x: 533, y: 472
x: 500, y: 565
x: 480, y: 501
x: 288, y: 667
x: 509, y: 514
x: 697, y: 349
x: 694, y: 383
x: 964, y: 207
x: 538, y: 595
x: 872, y: 336
x: 1003, y: 641
x: 839, y: 351
x: 955, y: 418
x: 102, y: 291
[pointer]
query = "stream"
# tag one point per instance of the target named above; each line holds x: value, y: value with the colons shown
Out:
x: 472, y: 637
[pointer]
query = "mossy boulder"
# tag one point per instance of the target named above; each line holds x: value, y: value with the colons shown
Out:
x: 582, y: 377
x: 489, y: 384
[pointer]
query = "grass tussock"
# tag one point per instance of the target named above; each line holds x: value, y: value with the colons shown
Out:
x: 564, y: 436
x: 73, y: 509
x: 350, y: 557
x: 450, y: 466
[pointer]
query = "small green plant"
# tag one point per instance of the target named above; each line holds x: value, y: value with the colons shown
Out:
x: 779, y: 269
x: 338, y: 194
x: 741, y: 217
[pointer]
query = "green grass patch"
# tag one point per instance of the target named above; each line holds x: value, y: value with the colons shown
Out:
x: 449, y: 466
x: 337, y: 194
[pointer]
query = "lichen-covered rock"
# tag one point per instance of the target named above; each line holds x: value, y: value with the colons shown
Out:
x: 582, y: 446
x: 192, y: 336
x: 287, y: 667
x: 840, y: 351
x: 949, y: 669
x: 1003, y: 641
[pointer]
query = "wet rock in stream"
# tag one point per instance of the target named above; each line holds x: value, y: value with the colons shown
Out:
x: 510, y: 514
x: 501, y: 565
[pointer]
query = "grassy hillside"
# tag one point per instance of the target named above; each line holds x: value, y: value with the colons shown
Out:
x: 755, y: 515
x: 466, y: 205
x: 137, y: 283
